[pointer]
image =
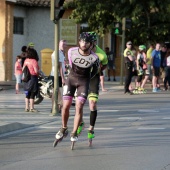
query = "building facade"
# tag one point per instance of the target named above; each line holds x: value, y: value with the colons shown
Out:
x: 24, y: 21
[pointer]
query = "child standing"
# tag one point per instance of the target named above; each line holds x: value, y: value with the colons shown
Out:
x: 18, y: 73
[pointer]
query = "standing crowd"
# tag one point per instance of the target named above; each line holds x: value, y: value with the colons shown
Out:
x: 152, y: 64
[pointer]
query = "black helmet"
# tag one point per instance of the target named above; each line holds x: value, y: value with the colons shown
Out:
x: 86, y: 36
x: 94, y: 35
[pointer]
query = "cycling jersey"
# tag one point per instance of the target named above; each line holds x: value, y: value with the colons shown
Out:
x: 102, y: 55
x: 81, y: 66
x: 80, y: 74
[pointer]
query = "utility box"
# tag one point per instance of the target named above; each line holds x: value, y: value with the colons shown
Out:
x: 46, y: 64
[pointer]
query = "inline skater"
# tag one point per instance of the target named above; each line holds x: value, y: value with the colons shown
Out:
x: 140, y: 63
x: 94, y: 89
x: 82, y: 60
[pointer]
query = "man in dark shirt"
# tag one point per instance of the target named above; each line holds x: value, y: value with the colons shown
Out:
x: 111, y: 63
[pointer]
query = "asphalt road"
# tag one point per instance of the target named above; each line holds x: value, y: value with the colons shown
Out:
x: 132, y: 133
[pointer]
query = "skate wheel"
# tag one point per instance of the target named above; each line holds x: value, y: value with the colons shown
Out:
x: 90, y: 142
x: 72, y: 145
x: 55, y: 143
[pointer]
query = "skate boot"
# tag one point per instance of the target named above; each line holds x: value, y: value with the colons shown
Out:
x: 90, y: 136
x: 62, y: 133
x: 74, y: 138
x: 136, y: 91
x: 80, y: 128
x: 143, y: 91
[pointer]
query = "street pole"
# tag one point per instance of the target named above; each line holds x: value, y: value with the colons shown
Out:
x: 123, y: 47
x: 56, y: 65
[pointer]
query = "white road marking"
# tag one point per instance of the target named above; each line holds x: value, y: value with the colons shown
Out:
x: 150, y: 128
x: 166, y: 118
x: 52, y: 127
x: 148, y: 110
x: 108, y: 110
x: 129, y: 118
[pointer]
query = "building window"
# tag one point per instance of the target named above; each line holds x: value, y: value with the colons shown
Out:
x: 18, y: 25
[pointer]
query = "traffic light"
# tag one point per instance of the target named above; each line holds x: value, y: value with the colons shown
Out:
x: 57, y: 10
x: 126, y: 23
x: 116, y: 31
x: 117, y: 28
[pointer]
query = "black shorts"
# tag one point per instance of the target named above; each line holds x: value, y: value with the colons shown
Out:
x: 72, y: 83
x: 156, y: 71
x: 94, y: 84
x: 59, y: 81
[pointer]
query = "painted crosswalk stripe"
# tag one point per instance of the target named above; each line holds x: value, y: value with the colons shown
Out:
x: 108, y: 110
x: 166, y: 118
x: 150, y: 128
x: 129, y: 118
x: 55, y: 127
x: 148, y: 110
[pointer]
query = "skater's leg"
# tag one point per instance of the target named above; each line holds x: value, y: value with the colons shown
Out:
x: 93, y: 117
x: 65, y: 112
x: 65, y: 115
x: 93, y: 113
x: 144, y: 81
x: 78, y: 115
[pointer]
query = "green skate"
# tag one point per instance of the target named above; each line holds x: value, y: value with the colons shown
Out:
x: 136, y: 91
x: 90, y: 136
x: 80, y: 128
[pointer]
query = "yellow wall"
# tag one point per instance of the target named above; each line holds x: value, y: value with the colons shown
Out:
x: 6, y: 39
x: 2, y: 39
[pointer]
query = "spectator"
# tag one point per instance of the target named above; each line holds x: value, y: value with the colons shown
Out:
x: 31, y: 45
x: 18, y: 73
x: 148, y: 71
x: 129, y: 66
x: 61, y: 78
x: 23, y: 54
x: 111, y: 64
x: 140, y: 63
x: 166, y: 65
x: 31, y: 86
x: 163, y: 56
x: 155, y: 66
x: 134, y: 71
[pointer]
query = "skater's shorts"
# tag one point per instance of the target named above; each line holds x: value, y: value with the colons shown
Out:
x: 94, y: 88
x: 18, y: 78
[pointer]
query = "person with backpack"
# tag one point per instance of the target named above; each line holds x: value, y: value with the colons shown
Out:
x: 31, y: 85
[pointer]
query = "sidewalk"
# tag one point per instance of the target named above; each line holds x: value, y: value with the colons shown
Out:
x: 6, y: 85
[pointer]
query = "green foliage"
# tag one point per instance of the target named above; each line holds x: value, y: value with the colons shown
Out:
x: 150, y: 18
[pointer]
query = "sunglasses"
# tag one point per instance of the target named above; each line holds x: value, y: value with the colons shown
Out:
x: 129, y: 44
